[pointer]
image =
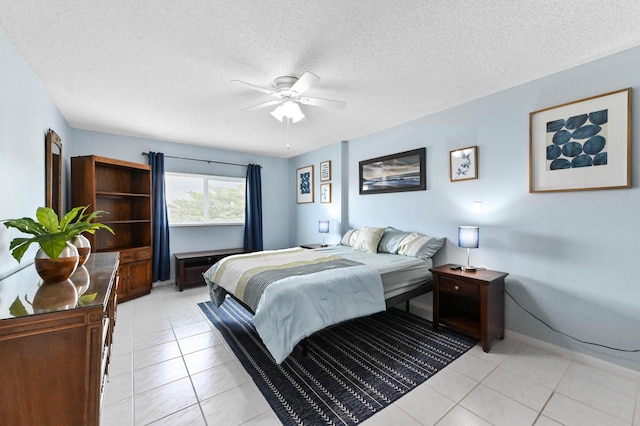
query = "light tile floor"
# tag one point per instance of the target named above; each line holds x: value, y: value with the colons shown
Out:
x: 171, y: 367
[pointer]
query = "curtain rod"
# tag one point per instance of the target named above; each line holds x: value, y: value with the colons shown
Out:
x: 146, y: 154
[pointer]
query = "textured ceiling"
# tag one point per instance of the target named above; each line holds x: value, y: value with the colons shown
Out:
x: 162, y: 69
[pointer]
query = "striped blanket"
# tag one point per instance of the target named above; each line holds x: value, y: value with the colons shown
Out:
x: 296, y: 292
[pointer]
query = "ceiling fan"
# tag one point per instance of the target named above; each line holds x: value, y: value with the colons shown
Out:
x: 288, y: 91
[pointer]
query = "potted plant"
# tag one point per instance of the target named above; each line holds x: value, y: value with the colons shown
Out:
x: 57, y: 258
x: 84, y: 223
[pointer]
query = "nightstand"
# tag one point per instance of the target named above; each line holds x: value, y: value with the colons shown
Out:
x: 469, y: 302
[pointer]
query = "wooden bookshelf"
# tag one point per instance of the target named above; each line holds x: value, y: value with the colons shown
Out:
x: 123, y: 189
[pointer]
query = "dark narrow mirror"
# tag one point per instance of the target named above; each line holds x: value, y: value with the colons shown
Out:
x: 53, y: 172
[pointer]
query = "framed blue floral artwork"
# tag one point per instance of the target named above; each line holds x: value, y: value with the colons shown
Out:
x: 304, y: 185
x: 463, y: 164
x: 581, y: 145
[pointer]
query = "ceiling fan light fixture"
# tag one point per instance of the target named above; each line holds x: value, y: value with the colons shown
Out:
x: 289, y: 109
x: 295, y: 112
x: 278, y: 113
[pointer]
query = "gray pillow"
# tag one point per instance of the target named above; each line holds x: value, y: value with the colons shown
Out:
x: 419, y: 245
x: 391, y: 239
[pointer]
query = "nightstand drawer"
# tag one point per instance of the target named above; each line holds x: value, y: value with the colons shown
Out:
x: 460, y: 288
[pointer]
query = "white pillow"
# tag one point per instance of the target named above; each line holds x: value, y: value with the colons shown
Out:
x: 350, y: 237
x: 418, y: 245
x: 368, y: 239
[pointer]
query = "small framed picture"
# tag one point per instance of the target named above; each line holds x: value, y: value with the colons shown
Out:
x: 304, y: 185
x: 325, y: 192
x: 463, y: 164
x: 581, y: 145
x: 325, y: 171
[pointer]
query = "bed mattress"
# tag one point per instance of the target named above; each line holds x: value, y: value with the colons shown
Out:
x: 399, y: 273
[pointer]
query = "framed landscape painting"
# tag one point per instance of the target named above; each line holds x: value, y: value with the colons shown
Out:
x: 581, y: 145
x: 405, y: 171
x: 304, y: 185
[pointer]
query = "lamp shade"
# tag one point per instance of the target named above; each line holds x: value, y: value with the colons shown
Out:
x: 278, y: 113
x: 323, y: 226
x: 468, y: 236
x: 288, y: 109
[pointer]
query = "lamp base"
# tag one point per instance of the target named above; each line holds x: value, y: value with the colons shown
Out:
x: 469, y: 269
x: 323, y: 245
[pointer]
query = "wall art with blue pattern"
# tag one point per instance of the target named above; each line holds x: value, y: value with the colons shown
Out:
x: 305, y: 183
x: 578, y: 141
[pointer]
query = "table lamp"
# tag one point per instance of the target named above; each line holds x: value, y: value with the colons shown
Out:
x: 323, y: 228
x: 468, y: 237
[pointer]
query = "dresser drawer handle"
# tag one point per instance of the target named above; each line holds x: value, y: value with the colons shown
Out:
x: 456, y: 287
x: 144, y: 254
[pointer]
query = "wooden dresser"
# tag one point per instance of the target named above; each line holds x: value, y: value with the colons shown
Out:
x: 54, y: 346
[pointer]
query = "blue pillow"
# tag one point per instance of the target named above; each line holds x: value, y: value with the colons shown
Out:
x: 391, y: 240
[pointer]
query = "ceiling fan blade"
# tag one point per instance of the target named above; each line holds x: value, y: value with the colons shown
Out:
x: 262, y: 105
x: 258, y: 88
x: 325, y: 103
x: 307, y: 80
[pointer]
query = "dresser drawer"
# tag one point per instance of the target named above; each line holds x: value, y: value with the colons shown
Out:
x: 133, y: 255
x: 460, y: 288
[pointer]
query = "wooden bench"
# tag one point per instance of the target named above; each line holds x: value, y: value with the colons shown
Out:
x: 191, y: 266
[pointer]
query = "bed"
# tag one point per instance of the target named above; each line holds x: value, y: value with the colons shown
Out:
x: 296, y: 292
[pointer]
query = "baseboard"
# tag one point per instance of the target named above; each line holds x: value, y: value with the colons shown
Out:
x: 425, y: 311
x: 576, y: 356
x: 163, y: 283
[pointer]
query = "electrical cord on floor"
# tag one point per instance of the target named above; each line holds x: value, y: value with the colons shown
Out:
x: 565, y: 334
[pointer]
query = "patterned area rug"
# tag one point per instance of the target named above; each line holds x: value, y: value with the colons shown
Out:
x: 351, y: 371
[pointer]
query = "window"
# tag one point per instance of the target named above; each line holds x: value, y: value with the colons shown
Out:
x: 204, y: 199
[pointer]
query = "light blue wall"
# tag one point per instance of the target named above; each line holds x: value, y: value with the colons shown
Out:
x: 304, y: 224
x: 26, y: 113
x: 275, y: 177
x: 570, y: 255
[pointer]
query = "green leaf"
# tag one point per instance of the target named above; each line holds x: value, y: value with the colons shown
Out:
x: 26, y: 225
x: 19, y: 241
x: 48, y: 218
x: 17, y: 308
x: 20, y: 248
x: 85, y: 299
x: 84, y: 224
x: 94, y: 215
x: 76, y: 211
x: 103, y: 226
x: 52, y: 244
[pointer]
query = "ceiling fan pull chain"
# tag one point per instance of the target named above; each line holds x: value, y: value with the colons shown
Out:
x: 288, y: 147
